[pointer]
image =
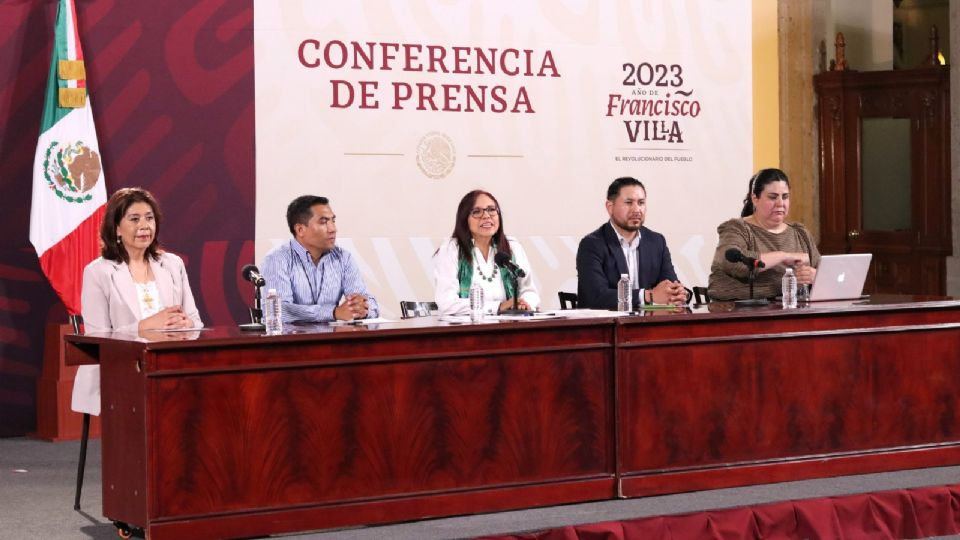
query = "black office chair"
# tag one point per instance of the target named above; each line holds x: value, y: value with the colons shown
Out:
x: 77, y: 322
x: 700, y: 296
x: 568, y: 300
x: 410, y: 309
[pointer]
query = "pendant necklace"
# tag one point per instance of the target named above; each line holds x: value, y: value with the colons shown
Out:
x: 145, y: 295
x: 143, y: 287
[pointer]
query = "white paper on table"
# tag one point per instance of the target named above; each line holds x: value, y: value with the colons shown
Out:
x: 460, y: 319
x: 587, y: 313
x: 375, y: 320
x: 537, y: 316
x: 165, y: 330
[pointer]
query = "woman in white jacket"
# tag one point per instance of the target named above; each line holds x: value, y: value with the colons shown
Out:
x: 470, y: 256
x: 133, y: 287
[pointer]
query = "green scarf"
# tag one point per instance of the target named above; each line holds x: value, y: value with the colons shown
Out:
x: 465, y: 275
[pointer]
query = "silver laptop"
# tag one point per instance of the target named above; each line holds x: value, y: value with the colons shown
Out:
x: 840, y: 277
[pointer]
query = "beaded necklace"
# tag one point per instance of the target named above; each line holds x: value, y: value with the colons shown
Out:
x: 484, y: 276
x: 477, y: 258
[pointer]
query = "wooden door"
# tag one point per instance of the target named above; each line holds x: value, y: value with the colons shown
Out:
x: 885, y: 174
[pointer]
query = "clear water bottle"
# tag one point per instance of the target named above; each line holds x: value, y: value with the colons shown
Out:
x: 789, y: 289
x: 273, y: 313
x: 624, y: 293
x: 476, y: 302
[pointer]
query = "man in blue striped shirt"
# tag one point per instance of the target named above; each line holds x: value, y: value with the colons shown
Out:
x: 311, y: 273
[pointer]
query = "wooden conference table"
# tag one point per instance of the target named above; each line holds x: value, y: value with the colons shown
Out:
x: 224, y: 434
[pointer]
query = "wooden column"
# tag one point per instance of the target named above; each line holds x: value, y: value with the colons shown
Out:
x: 801, y: 28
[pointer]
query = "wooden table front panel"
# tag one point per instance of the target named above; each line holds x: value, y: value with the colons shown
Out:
x: 280, y: 437
x: 753, y: 398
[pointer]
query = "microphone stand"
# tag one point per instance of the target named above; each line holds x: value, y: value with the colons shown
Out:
x: 515, y: 281
x: 752, y: 302
x: 256, y: 313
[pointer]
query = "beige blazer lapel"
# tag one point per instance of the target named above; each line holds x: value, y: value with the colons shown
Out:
x: 123, y: 281
x: 164, y: 284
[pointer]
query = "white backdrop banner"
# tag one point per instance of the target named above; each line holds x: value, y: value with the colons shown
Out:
x: 395, y: 110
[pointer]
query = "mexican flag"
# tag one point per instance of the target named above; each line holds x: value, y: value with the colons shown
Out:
x: 69, y: 195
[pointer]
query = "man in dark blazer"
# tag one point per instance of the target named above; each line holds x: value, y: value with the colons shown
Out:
x: 624, y: 246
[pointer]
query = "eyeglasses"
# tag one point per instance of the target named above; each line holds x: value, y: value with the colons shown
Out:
x: 493, y: 211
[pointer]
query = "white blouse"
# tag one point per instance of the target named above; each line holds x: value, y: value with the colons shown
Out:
x: 446, y: 282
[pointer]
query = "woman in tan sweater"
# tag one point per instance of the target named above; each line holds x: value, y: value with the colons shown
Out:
x: 762, y: 232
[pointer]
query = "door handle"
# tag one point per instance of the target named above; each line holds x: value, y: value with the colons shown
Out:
x: 853, y: 234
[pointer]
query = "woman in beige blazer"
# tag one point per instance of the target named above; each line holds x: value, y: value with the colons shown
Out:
x: 134, y: 287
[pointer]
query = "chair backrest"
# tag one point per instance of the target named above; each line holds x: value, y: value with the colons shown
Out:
x: 568, y: 300
x: 701, y: 296
x: 76, y: 321
x: 410, y: 309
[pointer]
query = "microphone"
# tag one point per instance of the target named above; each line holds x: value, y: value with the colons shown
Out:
x: 502, y: 259
x: 733, y: 255
x: 252, y: 274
